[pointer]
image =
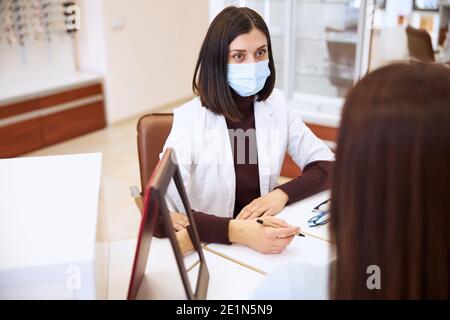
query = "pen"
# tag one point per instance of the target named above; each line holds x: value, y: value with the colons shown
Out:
x: 273, y: 225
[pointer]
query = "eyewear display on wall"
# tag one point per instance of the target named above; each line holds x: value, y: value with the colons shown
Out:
x: 23, y: 20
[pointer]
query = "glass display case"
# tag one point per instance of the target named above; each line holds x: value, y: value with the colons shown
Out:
x: 320, y: 48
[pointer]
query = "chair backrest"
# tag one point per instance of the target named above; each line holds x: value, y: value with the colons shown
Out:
x: 342, y: 57
x: 153, y: 130
x: 419, y: 45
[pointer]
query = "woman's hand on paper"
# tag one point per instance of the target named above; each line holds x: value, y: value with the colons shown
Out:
x: 262, y: 238
x: 179, y: 220
x: 267, y: 205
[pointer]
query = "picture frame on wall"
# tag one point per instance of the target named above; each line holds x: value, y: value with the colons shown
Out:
x: 426, y: 5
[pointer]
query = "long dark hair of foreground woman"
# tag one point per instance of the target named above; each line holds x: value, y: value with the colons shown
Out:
x: 391, y: 187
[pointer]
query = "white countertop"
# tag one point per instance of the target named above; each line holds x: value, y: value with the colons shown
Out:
x: 48, y: 224
x: 25, y: 88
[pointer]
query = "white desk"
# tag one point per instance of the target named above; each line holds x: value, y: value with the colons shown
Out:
x: 314, y: 248
x: 228, y: 280
x: 162, y: 280
x: 48, y: 221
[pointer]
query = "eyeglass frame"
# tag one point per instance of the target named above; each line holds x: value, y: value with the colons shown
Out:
x: 320, y: 214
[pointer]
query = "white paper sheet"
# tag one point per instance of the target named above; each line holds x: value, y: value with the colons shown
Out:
x: 308, y: 249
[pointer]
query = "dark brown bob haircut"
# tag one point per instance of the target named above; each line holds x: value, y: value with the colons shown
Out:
x: 391, y: 186
x: 210, y: 75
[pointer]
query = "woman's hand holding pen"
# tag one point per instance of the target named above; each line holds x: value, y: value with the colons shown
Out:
x: 267, y: 205
x: 273, y: 236
x: 262, y: 238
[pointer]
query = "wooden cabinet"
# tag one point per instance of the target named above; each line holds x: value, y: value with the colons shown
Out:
x: 76, y: 122
x: 20, y: 137
x: 42, y: 121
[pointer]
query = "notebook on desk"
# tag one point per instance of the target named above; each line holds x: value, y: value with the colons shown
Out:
x: 306, y: 249
x: 315, y: 248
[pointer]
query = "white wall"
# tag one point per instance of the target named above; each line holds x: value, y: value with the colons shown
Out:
x: 90, y: 40
x: 146, y: 50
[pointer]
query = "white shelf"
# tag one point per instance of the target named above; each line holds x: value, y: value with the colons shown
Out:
x: 16, y: 90
x: 324, y: 72
x: 318, y: 109
x: 331, y: 37
x: 344, y: 2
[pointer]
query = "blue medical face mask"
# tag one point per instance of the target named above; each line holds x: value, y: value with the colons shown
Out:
x: 248, y: 79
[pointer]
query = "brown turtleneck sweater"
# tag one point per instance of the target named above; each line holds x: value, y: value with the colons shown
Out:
x: 315, y: 177
x: 246, y: 171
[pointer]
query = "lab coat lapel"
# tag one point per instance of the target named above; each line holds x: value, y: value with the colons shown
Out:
x: 217, y: 126
x: 264, y: 124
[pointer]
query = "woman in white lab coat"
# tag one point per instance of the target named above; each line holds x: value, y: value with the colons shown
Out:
x: 231, y: 140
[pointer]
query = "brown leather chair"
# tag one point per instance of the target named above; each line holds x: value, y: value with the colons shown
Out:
x: 152, y: 132
x: 419, y: 45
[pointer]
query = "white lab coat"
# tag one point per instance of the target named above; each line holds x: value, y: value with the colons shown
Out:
x: 202, y: 146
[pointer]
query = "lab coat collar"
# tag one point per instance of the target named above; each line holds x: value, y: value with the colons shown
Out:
x: 264, y: 124
x: 261, y: 108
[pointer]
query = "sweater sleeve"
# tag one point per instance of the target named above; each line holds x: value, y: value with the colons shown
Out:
x: 210, y: 228
x: 316, y: 177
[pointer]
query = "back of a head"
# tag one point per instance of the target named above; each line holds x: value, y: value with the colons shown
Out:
x: 391, y: 185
